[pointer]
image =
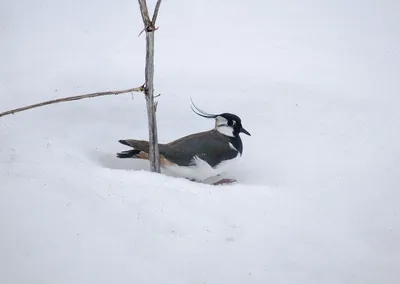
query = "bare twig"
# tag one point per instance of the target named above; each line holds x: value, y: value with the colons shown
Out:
x: 153, y: 21
x: 74, y: 98
x: 141, y: 32
x: 145, y: 13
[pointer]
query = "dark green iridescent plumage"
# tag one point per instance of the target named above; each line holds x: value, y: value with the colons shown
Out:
x: 210, y: 146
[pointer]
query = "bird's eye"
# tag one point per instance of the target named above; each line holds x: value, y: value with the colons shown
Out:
x: 230, y: 122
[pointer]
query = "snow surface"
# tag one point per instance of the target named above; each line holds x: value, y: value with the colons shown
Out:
x: 315, y: 83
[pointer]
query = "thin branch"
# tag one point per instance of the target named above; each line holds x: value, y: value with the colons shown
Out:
x: 145, y: 13
x: 153, y: 21
x: 74, y: 98
x: 142, y: 32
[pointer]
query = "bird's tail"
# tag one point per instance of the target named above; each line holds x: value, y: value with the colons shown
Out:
x: 140, y: 149
x: 128, y: 154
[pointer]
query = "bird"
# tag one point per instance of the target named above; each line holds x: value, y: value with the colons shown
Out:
x: 198, y: 156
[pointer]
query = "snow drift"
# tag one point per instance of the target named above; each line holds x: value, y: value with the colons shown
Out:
x: 316, y: 85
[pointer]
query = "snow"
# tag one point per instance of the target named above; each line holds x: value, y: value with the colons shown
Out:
x: 316, y: 84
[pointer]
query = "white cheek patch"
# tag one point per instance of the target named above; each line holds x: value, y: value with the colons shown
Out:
x: 221, y: 125
x: 225, y: 130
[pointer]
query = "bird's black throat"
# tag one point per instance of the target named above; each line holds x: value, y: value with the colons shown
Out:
x: 237, y: 143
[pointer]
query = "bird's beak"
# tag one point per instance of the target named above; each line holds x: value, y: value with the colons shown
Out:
x: 245, y: 131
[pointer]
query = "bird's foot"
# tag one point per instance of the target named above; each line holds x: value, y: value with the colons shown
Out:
x: 219, y: 180
x: 224, y: 181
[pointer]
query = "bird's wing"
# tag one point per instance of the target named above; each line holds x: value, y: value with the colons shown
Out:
x: 210, y: 146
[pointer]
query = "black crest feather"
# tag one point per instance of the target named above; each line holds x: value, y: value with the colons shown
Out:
x: 201, y: 112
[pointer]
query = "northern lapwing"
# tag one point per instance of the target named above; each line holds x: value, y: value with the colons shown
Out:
x: 198, y: 156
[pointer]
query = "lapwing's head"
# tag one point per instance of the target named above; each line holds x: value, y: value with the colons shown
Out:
x: 226, y: 123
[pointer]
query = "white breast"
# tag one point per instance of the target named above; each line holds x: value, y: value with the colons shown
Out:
x: 200, y: 170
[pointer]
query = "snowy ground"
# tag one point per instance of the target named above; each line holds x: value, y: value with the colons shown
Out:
x: 315, y: 83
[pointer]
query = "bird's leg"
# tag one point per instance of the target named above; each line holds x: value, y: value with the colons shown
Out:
x: 224, y: 181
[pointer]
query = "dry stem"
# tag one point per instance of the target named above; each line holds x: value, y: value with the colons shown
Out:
x: 154, y: 155
x: 74, y: 98
x: 156, y: 13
